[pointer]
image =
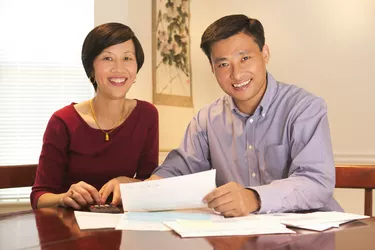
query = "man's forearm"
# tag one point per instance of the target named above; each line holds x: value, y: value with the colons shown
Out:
x: 124, y: 179
x: 154, y: 177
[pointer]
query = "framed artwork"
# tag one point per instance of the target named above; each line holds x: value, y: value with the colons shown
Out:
x: 171, y: 53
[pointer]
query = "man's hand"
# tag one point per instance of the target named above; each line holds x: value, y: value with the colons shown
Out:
x: 232, y: 200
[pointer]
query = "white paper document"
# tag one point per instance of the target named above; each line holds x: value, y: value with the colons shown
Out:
x: 153, y: 221
x: 320, y: 221
x: 225, y: 227
x: 90, y: 220
x: 180, y: 192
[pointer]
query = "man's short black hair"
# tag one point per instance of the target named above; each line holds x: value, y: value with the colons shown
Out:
x: 228, y: 26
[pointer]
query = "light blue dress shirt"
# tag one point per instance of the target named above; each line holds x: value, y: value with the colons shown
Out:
x: 283, y: 150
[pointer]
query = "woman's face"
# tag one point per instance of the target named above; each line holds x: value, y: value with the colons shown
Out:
x: 115, y: 70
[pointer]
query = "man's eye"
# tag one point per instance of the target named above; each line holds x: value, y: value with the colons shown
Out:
x: 221, y: 65
x: 245, y: 58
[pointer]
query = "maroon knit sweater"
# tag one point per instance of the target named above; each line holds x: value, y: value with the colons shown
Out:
x: 73, y: 151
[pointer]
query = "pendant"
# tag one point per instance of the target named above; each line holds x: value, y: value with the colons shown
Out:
x: 106, y: 137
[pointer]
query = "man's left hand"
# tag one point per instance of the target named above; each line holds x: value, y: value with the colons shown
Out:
x: 232, y: 200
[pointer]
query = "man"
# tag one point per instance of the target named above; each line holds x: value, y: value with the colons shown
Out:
x: 268, y: 141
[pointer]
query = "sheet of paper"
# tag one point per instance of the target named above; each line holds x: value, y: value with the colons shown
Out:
x: 320, y: 227
x: 225, y: 227
x: 153, y: 221
x: 90, y: 220
x: 317, y: 221
x: 321, y: 218
x: 124, y: 224
x: 179, y: 192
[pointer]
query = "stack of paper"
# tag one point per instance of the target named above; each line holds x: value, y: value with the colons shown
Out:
x: 188, y: 192
x: 155, y: 221
x: 225, y: 227
x: 320, y: 221
x: 90, y: 220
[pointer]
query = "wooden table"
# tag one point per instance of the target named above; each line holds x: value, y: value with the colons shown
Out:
x: 56, y: 228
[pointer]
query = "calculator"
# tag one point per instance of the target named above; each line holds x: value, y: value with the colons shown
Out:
x: 105, y: 208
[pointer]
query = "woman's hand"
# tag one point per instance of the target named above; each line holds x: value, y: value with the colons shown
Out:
x: 113, y: 186
x: 79, y: 195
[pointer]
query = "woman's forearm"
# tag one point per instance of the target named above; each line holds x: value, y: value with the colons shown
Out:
x: 50, y: 200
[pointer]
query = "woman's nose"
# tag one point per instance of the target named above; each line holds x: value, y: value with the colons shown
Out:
x: 118, y: 66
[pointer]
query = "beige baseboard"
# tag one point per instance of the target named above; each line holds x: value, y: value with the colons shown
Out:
x: 353, y: 158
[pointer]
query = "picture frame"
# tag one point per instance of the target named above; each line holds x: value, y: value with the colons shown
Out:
x: 171, y: 64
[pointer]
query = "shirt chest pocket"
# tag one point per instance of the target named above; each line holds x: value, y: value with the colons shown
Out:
x: 276, y: 162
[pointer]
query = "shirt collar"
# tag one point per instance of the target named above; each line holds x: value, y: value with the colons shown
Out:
x: 268, y: 95
x: 264, y: 103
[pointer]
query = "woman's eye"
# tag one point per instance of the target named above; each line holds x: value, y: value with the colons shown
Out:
x: 107, y: 58
x: 127, y: 58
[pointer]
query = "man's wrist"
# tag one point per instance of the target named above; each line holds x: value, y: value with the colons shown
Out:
x: 257, y: 199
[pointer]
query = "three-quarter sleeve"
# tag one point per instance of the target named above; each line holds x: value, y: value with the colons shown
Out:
x: 53, y: 160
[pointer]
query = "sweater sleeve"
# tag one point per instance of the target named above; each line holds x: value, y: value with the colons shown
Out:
x: 52, y: 161
x: 150, y: 152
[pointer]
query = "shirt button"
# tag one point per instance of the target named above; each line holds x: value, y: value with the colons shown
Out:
x: 250, y: 147
x: 251, y: 120
x: 253, y: 175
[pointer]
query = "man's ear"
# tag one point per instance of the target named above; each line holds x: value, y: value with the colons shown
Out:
x: 266, y: 53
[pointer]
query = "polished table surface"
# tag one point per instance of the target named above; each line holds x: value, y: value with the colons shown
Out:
x: 56, y: 228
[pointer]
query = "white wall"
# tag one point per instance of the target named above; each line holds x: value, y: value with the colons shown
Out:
x: 137, y: 15
x: 324, y: 46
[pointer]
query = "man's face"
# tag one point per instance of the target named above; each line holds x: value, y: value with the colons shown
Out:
x: 240, y: 69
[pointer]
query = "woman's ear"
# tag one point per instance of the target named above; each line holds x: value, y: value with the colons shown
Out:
x: 92, y: 77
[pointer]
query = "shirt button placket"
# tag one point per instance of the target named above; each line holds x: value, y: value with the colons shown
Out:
x: 251, y: 152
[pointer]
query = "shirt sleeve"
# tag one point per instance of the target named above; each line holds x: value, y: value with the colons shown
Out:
x: 311, y: 175
x: 150, y: 153
x: 193, y: 154
x: 52, y: 161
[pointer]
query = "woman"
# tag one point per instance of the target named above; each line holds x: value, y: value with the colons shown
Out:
x: 92, y: 146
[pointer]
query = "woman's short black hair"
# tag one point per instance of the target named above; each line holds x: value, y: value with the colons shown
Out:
x: 104, y: 36
x: 228, y: 26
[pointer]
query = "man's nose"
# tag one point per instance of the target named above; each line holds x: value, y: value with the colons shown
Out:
x: 237, y: 72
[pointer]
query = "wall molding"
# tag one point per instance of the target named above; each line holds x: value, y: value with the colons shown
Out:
x: 354, y: 158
